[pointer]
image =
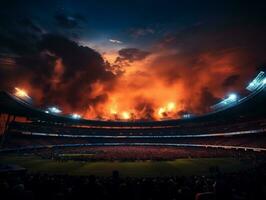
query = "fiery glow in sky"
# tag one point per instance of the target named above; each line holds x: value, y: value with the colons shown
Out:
x: 118, y: 60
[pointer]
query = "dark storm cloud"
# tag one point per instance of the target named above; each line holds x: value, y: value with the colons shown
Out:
x: 206, y: 99
x: 69, y: 21
x: 131, y: 55
x: 29, y: 23
x: 76, y: 58
x: 17, y: 43
x: 50, y: 65
x: 81, y: 66
x: 140, y: 32
x: 60, y: 67
x: 18, y: 35
x: 231, y: 80
x: 218, y: 38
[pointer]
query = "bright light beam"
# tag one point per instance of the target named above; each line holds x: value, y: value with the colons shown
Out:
x: 75, y: 116
x: 21, y: 93
x: 232, y: 97
x: 54, y: 110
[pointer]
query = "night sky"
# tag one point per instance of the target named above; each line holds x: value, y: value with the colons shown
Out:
x: 131, y: 59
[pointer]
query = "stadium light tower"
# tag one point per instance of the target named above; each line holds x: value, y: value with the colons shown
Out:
x: 257, y: 82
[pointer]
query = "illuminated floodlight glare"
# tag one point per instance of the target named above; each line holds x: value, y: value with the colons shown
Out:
x: 232, y: 97
x: 186, y: 116
x: 54, y: 110
x: 264, y: 81
x: 258, y: 82
x: 46, y: 111
x: 21, y: 93
x: 252, y: 83
x: 75, y: 116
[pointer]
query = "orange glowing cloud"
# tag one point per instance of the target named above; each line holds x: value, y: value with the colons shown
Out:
x: 166, y: 84
x: 177, y: 75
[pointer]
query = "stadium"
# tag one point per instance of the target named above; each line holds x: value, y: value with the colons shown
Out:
x: 132, y: 100
x: 231, y: 137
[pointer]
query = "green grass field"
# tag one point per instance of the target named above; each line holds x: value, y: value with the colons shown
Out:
x: 180, y: 167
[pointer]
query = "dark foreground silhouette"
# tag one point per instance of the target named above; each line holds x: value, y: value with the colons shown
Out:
x: 245, y: 185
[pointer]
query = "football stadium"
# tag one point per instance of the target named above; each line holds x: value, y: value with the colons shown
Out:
x: 229, y: 139
x: 132, y: 100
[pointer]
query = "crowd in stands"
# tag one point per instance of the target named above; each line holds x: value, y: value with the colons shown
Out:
x: 133, y: 153
x: 185, y: 128
x: 245, y: 185
x: 247, y: 140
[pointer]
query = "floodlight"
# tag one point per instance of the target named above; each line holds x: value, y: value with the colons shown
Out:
x: 54, y: 110
x: 75, y: 116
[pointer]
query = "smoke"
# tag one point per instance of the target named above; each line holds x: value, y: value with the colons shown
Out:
x: 61, y: 72
x: 130, y: 55
x: 191, y: 69
x: 183, y: 72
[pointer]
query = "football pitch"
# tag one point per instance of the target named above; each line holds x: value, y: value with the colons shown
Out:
x: 179, y: 167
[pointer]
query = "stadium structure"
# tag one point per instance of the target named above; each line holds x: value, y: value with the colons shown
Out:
x: 233, y: 124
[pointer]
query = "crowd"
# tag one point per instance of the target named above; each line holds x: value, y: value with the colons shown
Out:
x: 132, y: 153
x: 246, y: 185
x: 249, y: 140
x: 197, y: 127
